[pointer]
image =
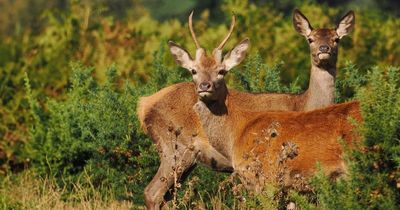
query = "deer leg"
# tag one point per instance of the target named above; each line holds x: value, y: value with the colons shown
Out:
x: 173, y: 165
x: 159, y: 185
x: 212, y: 158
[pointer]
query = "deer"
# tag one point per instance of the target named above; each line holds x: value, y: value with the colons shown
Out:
x: 170, y: 111
x: 266, y: 146
x: 284, y: 147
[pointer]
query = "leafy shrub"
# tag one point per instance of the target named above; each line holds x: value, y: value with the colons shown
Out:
x: 259, y: 77
x: 94, y: 128
x: 348, y: 81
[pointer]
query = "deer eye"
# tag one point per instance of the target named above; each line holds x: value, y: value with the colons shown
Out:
x: 310, y: 40
x: 194, y: 72
x: 337, y: 40
x: 222, y: 72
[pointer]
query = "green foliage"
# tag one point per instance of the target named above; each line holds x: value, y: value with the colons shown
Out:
x: 95, y: 128
x: 259, y: 77
x: 302, y: 201
x: 348, y: 81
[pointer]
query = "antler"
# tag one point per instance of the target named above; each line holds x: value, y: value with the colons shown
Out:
x: 192, y: 31
x: 229, y: 34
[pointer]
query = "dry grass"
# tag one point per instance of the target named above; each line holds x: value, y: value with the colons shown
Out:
x: 27, y: 191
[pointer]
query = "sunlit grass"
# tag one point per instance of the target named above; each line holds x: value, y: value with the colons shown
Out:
x: 28, y: 191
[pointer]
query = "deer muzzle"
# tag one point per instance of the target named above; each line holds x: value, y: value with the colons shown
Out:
x: 205, y: 86
x: 324, y: 52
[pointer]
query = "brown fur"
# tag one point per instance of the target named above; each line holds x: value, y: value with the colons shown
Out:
x: 145, y: 103
x: 207, y: 62
x: 316, y: 135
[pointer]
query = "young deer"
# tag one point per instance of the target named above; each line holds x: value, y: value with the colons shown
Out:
x: 324, y: 50
x: 171, y: 108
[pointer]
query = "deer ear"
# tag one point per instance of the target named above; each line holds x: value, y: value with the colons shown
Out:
x: 301, y: 23
x: 182, y: 57
x: 346, y: 24
x: 236, y: 55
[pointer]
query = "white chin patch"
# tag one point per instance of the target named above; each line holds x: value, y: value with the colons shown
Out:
x: 324, y: 56
x: 204, y: 94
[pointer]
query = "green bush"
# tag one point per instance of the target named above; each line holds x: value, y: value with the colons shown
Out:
x: 256, y: 76
x: 94, y: 128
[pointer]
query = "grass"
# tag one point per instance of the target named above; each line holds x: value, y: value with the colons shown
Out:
x: 28, y: 191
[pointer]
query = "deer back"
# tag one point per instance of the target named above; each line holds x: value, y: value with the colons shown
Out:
x: 295, y: 142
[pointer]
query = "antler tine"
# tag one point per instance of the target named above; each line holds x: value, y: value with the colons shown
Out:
x: 229, y: 34
x: 192, y: 31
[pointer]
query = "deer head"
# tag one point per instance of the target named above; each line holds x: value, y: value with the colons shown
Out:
x: 208, y: 71
x: 323, y: 42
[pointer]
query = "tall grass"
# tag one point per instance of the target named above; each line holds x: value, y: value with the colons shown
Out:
x: 28, y: 191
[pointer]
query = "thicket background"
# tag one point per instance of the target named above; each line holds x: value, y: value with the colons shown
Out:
x: 71, y: 72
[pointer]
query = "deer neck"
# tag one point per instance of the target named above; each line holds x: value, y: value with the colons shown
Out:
x: 321, y: 89
x: 214, y: 119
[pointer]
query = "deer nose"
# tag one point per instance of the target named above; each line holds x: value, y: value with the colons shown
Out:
x: 324, y: 48
x: 204, y: 86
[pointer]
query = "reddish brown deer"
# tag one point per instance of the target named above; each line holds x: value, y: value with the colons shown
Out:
x: 168, y: 117
x: 170, y: 109
x: 254, y: 140
x: 300, y: 139
x: 311, y: 137
x: 324, y: 50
